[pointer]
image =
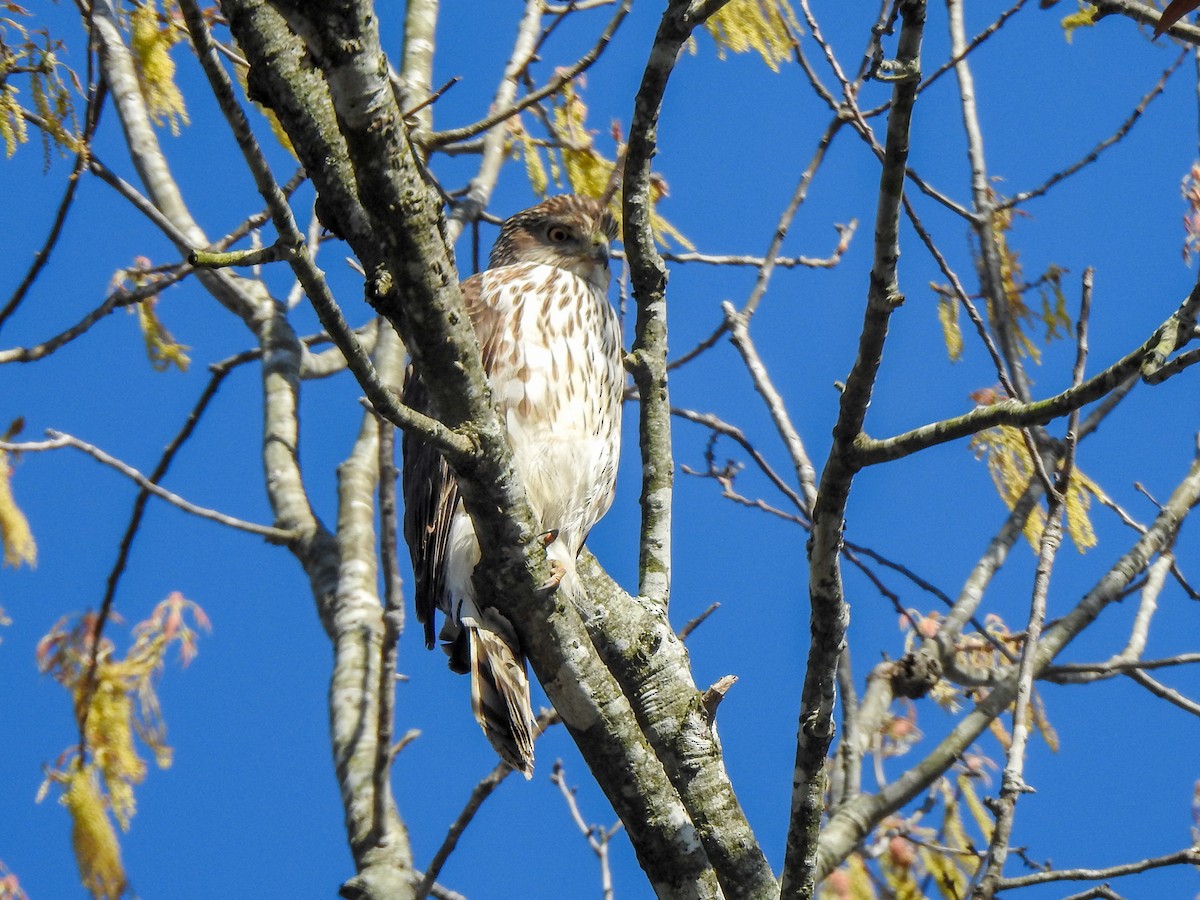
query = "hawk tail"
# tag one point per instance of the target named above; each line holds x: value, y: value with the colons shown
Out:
x: 500, y: 696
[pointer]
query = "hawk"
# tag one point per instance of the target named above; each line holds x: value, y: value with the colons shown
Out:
x: 551, y: 346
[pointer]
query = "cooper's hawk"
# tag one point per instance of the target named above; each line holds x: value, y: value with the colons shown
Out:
x: 552, y: 353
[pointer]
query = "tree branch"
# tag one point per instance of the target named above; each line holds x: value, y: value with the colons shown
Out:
x: 1149, y: 357
x: 857, y: 818
x: 830, y: 613
x: 1190, y: 856
x: 411, y: 281
x: 58, y: 440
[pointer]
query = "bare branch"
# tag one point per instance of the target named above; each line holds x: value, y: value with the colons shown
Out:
x: 829, y: 610
x: 806, y: 475
x: 771, y: 259
x: 850, y: 824
x: 596, y: 836
x: 482, y: 790
x: 1094, y: 154
x: 693, y: 624
x: 118, y: 299
x: 416, y: 68
x: 1158, y: 689
x: 1145, y: 14
x: 1013, y: 781
x: 551, y: 87
x: 845, y: 233
x: 58, y: 440
x: 718, y: 426
x: 1190, y: 856
x: 96, y: 93
x: 1070, y: 671
x: 1149, y: 356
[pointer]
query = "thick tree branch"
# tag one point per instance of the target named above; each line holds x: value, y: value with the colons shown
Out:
x: 672, y: 718
x: 362, y: 685
x: 830, y: 613
x: 416, y: 60
x: 648, y: 276
x: 412, y: 282
x: 650, y: 662
x: 293, y: 247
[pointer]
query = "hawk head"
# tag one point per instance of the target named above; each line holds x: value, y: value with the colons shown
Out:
x: 569, y: 232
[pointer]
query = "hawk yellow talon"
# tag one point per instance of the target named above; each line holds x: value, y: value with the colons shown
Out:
x: 556, y: 576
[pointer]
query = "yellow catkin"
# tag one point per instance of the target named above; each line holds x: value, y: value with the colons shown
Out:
x: 1084, y: 18
x: 861, y: 886
x: 161, y: 348
x: 97, y: 851
x: 764, y: 27
x: 979, y: 812
x: 951, y: 883
x: 15, y: 534
x: 951, y: 333
x: 12, y: 123
x: 588, y: 172
x: 110, y: 738
x: 525, y: 148
x: 1008, y: 463
x: 115, y: 766
x: 1019, y: 315
x: 156, y: 70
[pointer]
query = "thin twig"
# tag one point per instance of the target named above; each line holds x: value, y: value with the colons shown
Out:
x: 695, y: 623
x: 95, y: 104
x: 719, y: 426
x: 845, y: 233
x: 770, y: 260
x: 1190, y: 856
x: 596, y: 836
x: 57, y: 441
x: 482, y: 790
x: 555, y: 84
x: 1094, y: 154
x: 1158, y: 689
x: 806, y: 476
x: 118, y: 299
x: 131, y: 530
x: 393, y: 620
x: 1109, y: 668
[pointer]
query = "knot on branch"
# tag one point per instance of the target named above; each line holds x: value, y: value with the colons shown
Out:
x: 914, y: 675
x: 894, y: 71
x: 380, y: 285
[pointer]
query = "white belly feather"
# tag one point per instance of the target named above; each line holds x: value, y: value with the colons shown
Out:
x: 558, y: 379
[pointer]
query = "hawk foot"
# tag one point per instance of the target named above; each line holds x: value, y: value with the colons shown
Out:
x: 556, y: 576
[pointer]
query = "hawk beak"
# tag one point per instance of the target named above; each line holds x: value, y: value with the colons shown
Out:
x: 600, y: 249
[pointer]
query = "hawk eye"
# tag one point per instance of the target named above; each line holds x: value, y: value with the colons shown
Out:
x: 558, y: 234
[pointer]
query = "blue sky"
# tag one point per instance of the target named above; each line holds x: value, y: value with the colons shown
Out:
x: 250, y: 807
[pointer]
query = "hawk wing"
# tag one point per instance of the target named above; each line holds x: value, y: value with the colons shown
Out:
x: 429, y: 487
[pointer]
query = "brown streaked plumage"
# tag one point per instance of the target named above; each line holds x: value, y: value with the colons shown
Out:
x: 551, y: 346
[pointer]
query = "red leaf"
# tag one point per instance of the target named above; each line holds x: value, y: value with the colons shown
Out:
x: 1175, y: 11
